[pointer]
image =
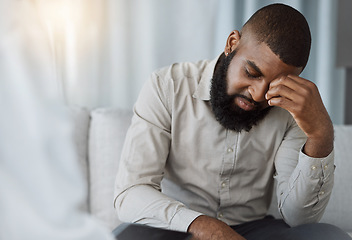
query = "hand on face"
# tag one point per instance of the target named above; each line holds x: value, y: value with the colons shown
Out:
x: 302, y: 99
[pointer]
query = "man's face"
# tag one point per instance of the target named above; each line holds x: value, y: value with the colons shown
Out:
x: 241, y: 81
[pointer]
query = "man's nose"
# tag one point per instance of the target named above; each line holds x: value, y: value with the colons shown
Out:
x: 258, y: 90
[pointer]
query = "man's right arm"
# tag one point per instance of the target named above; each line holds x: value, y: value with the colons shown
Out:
x: 138, y: 197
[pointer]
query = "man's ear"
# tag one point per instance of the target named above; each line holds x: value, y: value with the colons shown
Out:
x: 232, y: 42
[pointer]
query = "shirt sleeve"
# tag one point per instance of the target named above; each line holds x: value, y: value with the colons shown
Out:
x: 138, y: 196
x: 304, y: 183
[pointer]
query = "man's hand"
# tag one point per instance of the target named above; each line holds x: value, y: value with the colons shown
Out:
x: 302, y: 99
x: 208, y: 228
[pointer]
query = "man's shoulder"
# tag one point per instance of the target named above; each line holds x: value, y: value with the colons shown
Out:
x: 280, y: 113
x: 275, y: 124
x: 181, y: 70
x: 277, y: 119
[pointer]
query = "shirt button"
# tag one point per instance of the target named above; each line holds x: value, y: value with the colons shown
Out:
x: 221, y: 215
x: 230, y: 150
x: 321, y: 193
x: 325, y: 167
x: 223, y: 184
x: 313, y: 167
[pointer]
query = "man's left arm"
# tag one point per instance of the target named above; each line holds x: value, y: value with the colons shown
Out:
x: 305, y: 184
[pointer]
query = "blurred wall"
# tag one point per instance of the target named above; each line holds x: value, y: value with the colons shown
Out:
x: 106, y: 50
x: 344, y: 52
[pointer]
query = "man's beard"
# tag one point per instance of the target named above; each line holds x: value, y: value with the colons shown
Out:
x: 226, y: 112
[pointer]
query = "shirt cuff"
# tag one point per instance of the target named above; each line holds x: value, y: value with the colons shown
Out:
x: 316, y: 167
x: 183, y: 218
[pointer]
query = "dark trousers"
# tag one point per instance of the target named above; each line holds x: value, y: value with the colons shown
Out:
x: 270, y: 228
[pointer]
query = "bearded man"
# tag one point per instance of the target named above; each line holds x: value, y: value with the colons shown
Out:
x: 208, y: 139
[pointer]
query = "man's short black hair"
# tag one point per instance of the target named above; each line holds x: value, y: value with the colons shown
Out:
x: 285, y: 30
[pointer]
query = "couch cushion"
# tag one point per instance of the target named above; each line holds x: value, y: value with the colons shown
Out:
x: 339, y: 210
x: 107, y: 133
x: 80, y: 117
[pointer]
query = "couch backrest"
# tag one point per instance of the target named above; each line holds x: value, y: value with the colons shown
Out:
x: 339, y: 209
x: 107, y: 131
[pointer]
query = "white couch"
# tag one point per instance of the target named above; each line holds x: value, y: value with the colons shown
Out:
x: 99, y: 136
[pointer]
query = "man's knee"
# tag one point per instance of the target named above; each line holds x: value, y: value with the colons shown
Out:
x: 321, y: 231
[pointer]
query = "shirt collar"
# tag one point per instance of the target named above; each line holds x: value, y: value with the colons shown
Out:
x: 203, y: 89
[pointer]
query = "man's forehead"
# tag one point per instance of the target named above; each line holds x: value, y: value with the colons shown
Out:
x: 259, y: 57
x: 259, y: 54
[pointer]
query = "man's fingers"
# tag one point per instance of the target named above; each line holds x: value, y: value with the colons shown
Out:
x: 290, y: 81
x: 291, y: 87
x: 280, y: 91
x: 282, y: 102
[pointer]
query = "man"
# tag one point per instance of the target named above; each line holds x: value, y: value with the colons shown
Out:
x: 217, y: 132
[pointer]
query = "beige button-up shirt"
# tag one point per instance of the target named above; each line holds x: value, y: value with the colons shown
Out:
x: 207, y: 169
